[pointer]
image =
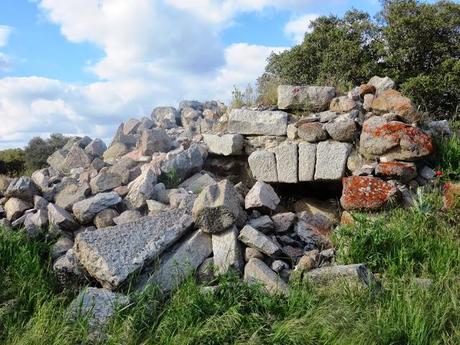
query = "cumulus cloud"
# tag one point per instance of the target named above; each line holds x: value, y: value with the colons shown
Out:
x: 32, y: 106
x: 155, y: 53
x: 222, y: 11
x: 296, y: 28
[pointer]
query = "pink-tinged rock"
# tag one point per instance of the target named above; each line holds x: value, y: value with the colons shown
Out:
x: 393, y: 139
x: 138, y: 156
x: 367, y: 89
x: 394, y: 101
x: 366, y: 193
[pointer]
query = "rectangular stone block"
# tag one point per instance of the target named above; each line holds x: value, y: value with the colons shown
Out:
x: 307, y: 161
x: 311, y: 98
x: 112, y: 254
x: 257, y: 240
x: 263, y: 166
x: 225, y: 145
x: 331, y: 160
x: 257, y: 272
x: 287, y: 162
x: 253, y: 122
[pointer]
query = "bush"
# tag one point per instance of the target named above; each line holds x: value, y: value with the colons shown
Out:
x: 422, y: 51
x: 12, y: 162
x: 448, y: 158
x: 38, y: 150
x: 246, y: 98
x: 414, y: 43
x: 338, y: 52
x: 267, y: 90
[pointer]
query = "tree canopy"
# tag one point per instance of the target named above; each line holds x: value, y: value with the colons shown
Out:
x: 415, y: 43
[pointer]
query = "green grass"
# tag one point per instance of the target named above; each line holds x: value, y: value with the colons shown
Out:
x: 399, y: 245
x: 170, y: 179
x: 449, y: 158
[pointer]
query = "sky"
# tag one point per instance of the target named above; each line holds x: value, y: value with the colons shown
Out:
x: 81, y: 67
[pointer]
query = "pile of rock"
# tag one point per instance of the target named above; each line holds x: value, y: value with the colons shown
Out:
x: 167, y: 197
x: 371, y: 135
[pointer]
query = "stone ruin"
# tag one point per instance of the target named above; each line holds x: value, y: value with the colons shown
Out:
x: 208, y: 189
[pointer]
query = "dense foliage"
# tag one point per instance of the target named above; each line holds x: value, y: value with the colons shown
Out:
x: 38, y: 150
x: 12, y: 162
x: 415, y: 43
x: 15, y: 162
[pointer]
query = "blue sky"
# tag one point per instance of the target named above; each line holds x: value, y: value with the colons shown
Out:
x: 83, y: 66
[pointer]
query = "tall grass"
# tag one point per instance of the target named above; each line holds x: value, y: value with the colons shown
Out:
x: 449, y: 157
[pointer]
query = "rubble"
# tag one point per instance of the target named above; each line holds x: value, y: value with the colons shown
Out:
x: 193, y: 187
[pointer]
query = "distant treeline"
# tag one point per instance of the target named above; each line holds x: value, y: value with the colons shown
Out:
x: 14, y: 162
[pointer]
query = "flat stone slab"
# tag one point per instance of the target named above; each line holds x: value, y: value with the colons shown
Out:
x: 180, y: 262
x: 112, y: 254
x: 98, y: 305
x: 253, y: 122
x: 87, y: 209
x: 356, y: 273
x: 257, y: 272
x: 311, y: 98
x: 197, y: 182
x: 225, y: 145
x: 227, y: 251
x: 257, y: 240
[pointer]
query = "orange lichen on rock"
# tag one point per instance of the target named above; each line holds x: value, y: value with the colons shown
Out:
x: 366, y: 193
x: 409, y: 138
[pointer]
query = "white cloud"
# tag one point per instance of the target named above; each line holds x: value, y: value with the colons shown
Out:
x: 34, y: 106
x: 5, y: 32
x: 222, y: 11
x: 156, y: 53
x: 296, y: 28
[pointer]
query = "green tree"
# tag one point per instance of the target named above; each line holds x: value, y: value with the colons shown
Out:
x: 415, y: 43
x: 338, y: 52
x: 38, y: 150
x: 422, y: 51
x: 12, y: 162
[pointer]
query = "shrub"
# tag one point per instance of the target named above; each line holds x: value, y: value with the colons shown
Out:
x: 338, y: 52
x: 12, y: 162
x: 422, y: 51
x: 267, y: 90
x: 246, y: 98
x: 38, y: 150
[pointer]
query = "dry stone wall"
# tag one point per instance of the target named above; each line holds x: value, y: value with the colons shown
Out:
x: 158, y: 202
